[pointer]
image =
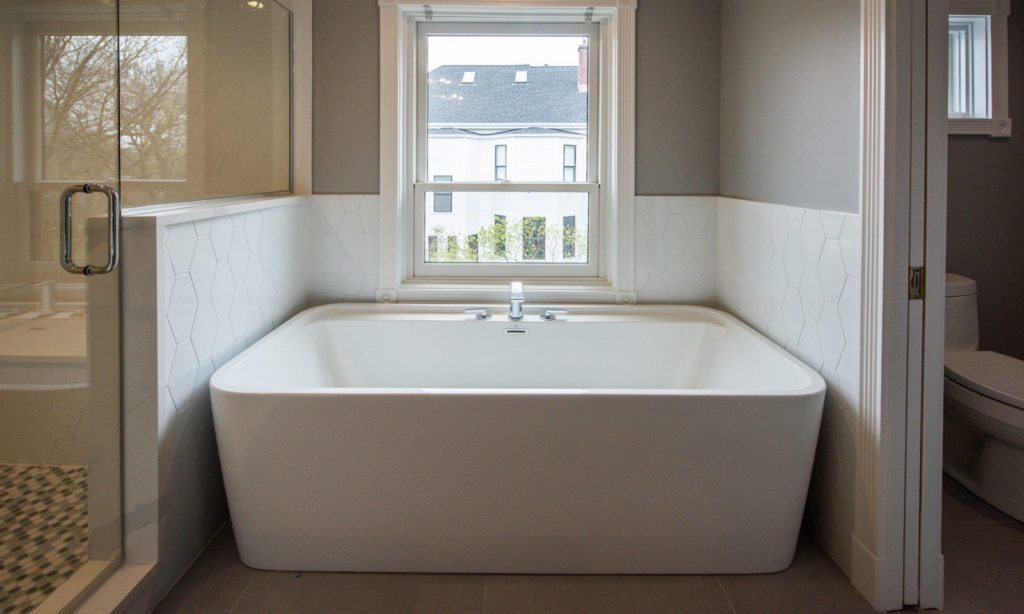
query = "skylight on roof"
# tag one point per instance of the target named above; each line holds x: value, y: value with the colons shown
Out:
x: 520, y: 76
x: 469, y: 76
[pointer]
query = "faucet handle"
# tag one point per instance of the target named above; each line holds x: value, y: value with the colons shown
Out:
x: 480, y: 313
x: 552, y: 314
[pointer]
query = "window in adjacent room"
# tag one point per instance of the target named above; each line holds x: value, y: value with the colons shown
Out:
x: 977, y: 95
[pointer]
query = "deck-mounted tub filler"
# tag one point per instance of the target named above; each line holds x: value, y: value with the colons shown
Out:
x: 419, y: 438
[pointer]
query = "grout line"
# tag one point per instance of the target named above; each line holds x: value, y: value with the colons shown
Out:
x: 247, y: 585
x: 726, y: 594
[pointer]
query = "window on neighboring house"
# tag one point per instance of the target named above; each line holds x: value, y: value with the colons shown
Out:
x: 530, y: 93
x: 432, y: 247
x: 569, y: 236
x: 568, y: 163
x: 500, y: 231
x: 442, y: 200
x: 977, y: 95
x: 501, y: 162
x: 534, y: 238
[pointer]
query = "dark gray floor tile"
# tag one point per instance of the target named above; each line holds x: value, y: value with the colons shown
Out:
x: 984, y: 567
x: 289, y: 592
x: 214, y: 583
x: 813, y: 584
x: 961, y: 505
x: 604, y: 594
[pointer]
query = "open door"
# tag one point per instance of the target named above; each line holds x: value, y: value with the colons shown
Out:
x: 923, y: 563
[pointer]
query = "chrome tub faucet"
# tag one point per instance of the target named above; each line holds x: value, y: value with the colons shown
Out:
x: 515, y: 302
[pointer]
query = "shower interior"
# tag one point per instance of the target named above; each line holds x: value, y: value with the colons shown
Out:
x: 164, y: 101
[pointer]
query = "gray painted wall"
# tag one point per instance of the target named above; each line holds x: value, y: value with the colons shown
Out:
x: 790, y: 102
x: 346, y: 127
x: 678, y: 65
x: 677, y: 96
x: 985, y: 233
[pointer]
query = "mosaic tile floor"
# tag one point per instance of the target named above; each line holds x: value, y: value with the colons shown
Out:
x: 43, y: 532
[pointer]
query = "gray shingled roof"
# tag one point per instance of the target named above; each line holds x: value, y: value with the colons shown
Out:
x: 549, y: 96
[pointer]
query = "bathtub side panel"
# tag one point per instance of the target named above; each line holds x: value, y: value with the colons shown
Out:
x: 517, y: 483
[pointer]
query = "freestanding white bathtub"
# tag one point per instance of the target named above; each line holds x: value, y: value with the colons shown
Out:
x: 414, y: 438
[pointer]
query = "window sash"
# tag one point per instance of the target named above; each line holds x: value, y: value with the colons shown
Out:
x: 421, y: 186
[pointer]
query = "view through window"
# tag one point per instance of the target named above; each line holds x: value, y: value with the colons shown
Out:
x: 509, y: 111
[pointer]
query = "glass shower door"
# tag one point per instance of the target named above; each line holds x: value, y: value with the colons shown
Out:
x: 60, y: 490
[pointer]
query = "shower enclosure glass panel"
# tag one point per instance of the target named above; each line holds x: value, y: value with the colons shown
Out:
x: 205, y: 100
x: 59, y: 346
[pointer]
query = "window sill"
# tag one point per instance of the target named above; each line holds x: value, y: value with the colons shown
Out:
x: 998, y: 128
x: 463, y: 290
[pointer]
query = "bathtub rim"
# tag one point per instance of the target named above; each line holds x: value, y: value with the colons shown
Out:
x: 455, y: 312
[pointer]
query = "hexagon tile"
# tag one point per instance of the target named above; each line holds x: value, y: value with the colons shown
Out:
x: 794, y: 274
x: 345, y: 243
x: 675, y: 249
x: 235, y: 279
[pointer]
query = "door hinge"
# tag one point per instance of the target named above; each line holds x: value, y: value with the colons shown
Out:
x: 916, y: 283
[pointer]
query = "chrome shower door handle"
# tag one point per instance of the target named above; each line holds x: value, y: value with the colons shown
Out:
x: 113, y: 229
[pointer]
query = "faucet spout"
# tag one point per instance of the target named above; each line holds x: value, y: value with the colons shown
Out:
x: 516, y: 301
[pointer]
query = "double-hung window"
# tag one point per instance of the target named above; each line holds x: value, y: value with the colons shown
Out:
x: 530, y: 96
x: 977, y: 96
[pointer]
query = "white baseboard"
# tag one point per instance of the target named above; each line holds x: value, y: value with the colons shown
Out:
x: 875, y: 580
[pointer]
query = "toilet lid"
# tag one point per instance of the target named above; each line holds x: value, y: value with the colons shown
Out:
x: 992, y: 374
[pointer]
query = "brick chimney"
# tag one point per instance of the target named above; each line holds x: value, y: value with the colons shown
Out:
x: 581, y: 73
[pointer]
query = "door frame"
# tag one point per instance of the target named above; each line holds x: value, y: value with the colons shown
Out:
x: 896, y: 545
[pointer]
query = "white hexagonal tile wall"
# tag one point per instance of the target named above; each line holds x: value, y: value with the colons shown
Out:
x: 810, y: 305
x: 675, y: 249
x: 346, y: 250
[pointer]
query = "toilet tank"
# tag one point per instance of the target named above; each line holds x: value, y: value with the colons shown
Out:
x: 961, y: 313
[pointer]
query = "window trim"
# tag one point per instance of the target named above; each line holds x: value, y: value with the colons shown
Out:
x: 999, y: 124
x: 616, y: 21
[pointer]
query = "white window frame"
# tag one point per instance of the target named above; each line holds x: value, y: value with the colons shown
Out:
x: 998, y: 124
x: 612, y: 240
x: 507, y: 271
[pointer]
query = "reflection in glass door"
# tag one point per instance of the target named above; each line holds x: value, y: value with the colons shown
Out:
x: 59, y: 331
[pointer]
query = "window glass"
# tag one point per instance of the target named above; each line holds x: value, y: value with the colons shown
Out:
x: 205, y: 100
x: 970, y: 66
x: 510, y: 227
x: 514, y: 95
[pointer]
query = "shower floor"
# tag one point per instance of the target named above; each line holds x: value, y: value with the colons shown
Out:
x: 43, y: 532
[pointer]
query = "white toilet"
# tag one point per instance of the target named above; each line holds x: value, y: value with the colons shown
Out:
x: 984, y: 407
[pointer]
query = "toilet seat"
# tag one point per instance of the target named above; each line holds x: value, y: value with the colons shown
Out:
x: 996, y: 376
